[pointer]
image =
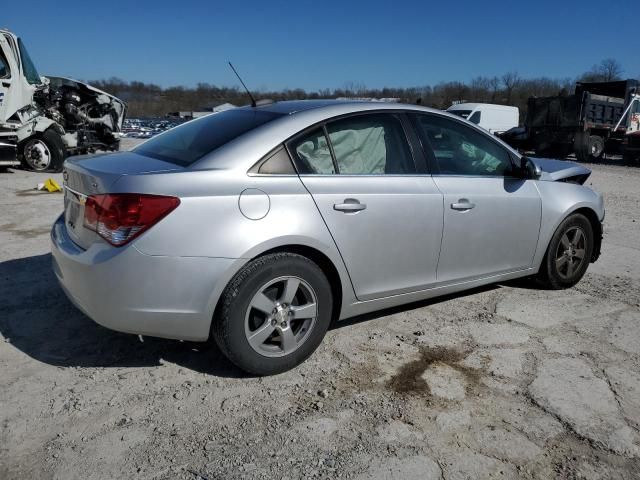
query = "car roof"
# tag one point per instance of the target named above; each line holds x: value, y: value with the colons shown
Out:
x: 292, y: 107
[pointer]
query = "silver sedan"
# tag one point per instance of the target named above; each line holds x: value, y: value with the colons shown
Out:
x: 259, y: 226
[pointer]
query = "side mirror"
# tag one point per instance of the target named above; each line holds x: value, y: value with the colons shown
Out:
x: 529, y: 168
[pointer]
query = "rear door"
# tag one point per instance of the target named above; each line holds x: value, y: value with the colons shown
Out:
x: 385, y: 218
x: 491, y: 217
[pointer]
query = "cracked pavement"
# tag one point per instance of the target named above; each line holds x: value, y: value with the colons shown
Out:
x: 507, y: 381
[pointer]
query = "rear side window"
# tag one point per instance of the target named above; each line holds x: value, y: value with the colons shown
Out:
x: 370, y: 145
x: 191, y: 141
x: 313, y: 153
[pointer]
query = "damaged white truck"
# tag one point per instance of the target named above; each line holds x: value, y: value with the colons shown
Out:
x: 45, y: 119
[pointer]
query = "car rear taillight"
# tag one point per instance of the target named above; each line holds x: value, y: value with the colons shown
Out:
x: 120, y: 217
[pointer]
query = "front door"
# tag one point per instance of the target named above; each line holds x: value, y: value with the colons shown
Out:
x: 386, y: 219
x: 491, y: 217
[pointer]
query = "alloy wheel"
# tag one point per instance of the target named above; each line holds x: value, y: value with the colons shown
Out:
x: 280, y: 316
x: 570, y: 254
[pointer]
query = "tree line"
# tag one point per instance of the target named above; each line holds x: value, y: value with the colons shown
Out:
x: 150, y: 100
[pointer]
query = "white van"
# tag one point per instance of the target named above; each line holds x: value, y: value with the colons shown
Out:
x: 495, y: 118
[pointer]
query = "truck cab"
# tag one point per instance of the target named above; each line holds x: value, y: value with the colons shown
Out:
x: 494, y: 118
x: 45, y: 119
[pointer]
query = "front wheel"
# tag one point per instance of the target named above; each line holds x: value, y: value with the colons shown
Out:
x: 44, y: 152
x: 274, y: 313
x: 568, y: 254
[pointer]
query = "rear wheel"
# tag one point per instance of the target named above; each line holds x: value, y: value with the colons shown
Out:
x: 568, y: 254
x: 44, y: 152
x: 588, y: 148
x: 274, y: 314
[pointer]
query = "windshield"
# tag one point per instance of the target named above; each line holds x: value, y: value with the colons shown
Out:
x: 191, y: 141
x: 460, y: 113
x: 30, y: 72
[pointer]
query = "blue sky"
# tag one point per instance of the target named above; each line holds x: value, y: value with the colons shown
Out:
x: 323, y: 44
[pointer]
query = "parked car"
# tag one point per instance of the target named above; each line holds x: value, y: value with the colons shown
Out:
x: 261, y: 225
x: 494, y: 118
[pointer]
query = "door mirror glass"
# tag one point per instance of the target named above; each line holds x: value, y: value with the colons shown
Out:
x: 529, y: 168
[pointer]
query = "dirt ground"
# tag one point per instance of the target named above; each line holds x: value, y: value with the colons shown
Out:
x: 503, y: 382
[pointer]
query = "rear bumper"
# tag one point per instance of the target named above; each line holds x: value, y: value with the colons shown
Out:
x: 126, y: 290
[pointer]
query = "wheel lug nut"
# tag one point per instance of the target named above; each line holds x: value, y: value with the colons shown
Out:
x: 273, y: 323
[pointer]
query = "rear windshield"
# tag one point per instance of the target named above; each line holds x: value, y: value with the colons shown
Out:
x: 191, y: 141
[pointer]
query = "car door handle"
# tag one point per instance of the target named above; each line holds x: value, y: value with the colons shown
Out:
x: 350, y: 205
x: 463, y: 204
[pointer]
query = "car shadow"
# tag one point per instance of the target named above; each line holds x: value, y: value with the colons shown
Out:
x: 410, y: 306
x: 37, y: 318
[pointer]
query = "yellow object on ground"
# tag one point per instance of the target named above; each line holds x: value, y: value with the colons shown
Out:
x: 50, y: 185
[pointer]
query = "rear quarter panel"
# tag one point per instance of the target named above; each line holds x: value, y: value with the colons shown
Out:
x: 209, y: 223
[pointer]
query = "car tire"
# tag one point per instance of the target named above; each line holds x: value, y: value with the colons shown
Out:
x: 568, y: 254
x: 266, y: 323
x: 44, y: 152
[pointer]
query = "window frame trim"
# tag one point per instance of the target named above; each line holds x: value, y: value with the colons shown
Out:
x: 399, y: 114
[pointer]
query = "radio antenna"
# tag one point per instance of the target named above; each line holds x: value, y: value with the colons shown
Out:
x: 253, y: 100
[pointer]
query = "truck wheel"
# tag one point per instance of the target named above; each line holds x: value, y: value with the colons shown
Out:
x: 581, y: 146
x: 44, y: 152
x: 596, y: 147
x: 588, y: 148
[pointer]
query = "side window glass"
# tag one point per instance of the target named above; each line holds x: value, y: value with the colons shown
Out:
x: 313, y: 153
x: 370, y: 145
x: 475, y: 118
x: 461, y: 150
x: 4, y: 68
x: 276, y: 163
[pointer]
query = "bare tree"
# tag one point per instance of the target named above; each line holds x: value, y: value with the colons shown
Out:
x: 494, y: 85
x: 510, y: 80
x: 607, y: 70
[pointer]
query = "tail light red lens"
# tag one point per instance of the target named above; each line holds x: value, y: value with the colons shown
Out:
x: 120, y: 217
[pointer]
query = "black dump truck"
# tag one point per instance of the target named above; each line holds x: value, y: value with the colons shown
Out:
x: 591, y: 122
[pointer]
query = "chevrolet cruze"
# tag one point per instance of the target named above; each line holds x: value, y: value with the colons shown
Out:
x: 261, y: 225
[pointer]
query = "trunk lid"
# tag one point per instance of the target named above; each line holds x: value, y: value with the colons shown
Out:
x: 90, y: 175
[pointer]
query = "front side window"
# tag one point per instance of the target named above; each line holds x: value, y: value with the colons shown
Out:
x: 461, y: 150
x: 29, y: 69
x: 187, y: 143
x: 372, y: 144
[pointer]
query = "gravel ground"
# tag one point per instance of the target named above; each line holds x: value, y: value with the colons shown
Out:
x: 503, y: 382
